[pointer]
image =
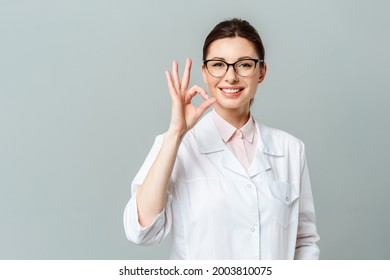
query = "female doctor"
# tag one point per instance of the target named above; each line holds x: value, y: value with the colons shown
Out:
x: 225, y: 185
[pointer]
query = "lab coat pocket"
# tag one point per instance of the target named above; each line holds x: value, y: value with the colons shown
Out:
x: 284, y: 202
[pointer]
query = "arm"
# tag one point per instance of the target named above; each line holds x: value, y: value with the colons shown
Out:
x: 152, y: 194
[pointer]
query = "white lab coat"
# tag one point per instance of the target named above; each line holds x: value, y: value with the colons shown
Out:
x: 217, y: 210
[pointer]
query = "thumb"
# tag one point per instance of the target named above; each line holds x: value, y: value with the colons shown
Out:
x: 205, y: 105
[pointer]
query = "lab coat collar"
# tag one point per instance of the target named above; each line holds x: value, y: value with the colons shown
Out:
x: 209, y: 140
x: 268, y: 141
x: 207, y: 136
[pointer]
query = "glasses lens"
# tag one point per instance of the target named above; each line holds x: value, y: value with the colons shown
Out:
x: 245, y: 67
x: 216, y: 68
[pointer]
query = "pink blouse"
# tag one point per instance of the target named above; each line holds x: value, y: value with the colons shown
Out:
x: 242, y: 142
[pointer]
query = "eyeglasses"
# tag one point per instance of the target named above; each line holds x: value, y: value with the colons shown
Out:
x: 243, y: 67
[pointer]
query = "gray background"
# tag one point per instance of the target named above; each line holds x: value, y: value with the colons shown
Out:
x: 83, y: 94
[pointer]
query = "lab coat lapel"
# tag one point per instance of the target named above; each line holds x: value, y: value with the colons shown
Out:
x: 209, y: 141
x: 230, y: 161
x: 260, y: 163
x: 266, y: 146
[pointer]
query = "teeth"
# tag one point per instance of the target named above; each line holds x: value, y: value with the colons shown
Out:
x: 226, y: 90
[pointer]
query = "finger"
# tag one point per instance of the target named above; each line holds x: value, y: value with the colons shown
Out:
x: 186, y: 76
x: 205, y: 105
x: 198, y: 89
x: 194, y: 91
x: 175, y: 76
x: 171, y: 87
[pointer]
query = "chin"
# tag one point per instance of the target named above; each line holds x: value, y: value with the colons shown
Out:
x: 232, y: 104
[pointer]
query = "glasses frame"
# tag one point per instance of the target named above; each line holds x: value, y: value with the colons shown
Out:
x: 255, y: 60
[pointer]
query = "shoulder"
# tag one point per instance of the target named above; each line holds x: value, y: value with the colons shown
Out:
x: 279, y: 141
x: 282, y: 135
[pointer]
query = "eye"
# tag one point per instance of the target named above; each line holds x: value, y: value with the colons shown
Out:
x: 217, y: 64
x: 246, y: 64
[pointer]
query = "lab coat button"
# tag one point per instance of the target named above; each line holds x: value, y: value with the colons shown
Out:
x: 252, y: 229
x: 249, y: 185
x: 287, y: 199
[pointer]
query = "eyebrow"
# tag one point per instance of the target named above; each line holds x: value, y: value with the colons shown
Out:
x: 221, y: 58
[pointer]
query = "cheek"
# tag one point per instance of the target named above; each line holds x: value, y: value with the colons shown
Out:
x: 212, y: 90
x: 254, y: 82
x: 211, y: 82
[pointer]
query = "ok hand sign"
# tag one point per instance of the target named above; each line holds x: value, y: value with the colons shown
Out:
x: 184, y: 115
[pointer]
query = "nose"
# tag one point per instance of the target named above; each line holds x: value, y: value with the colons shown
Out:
x: 231, y: 75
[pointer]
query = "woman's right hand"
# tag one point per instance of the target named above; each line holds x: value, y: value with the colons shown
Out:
x: 184, y: 115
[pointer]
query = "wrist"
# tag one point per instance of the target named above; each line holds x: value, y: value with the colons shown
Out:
x: 174, y: 136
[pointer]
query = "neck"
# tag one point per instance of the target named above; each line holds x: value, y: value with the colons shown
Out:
x: 236, y: 117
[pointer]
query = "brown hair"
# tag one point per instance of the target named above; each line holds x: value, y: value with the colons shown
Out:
x: 235, y: 28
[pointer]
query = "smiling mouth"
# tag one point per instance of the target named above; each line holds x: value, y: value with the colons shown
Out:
x: 231, y: 91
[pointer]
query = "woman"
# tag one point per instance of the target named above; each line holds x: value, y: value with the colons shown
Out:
x: 226, y: 187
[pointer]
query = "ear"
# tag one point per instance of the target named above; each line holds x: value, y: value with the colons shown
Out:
x: 263, y: 71
x: 204, y: 74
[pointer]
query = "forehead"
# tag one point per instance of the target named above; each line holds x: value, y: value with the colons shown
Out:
x: 231, y: 49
